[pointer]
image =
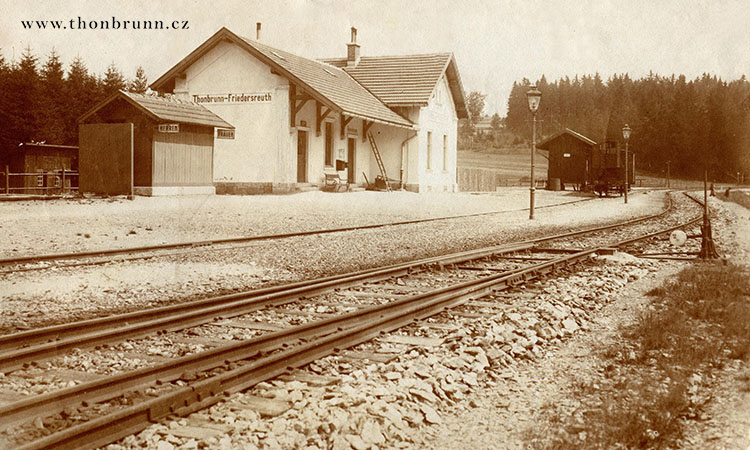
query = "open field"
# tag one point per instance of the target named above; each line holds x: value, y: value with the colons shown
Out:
x: 512, y: 163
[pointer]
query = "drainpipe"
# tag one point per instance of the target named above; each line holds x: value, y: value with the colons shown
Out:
x: 403, y: 145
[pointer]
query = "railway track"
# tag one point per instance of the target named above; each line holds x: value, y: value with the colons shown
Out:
x: 313, y: 319
x: 95, y: 257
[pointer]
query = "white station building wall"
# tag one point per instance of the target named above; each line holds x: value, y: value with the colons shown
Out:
x: 242, y: 90
x: 259, y: 151
x: 438, y: 122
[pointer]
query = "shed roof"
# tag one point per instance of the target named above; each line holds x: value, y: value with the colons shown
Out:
x: 326, y: 83
x: 163, y: 109
x: 407, y: 80
x: 545, y: 143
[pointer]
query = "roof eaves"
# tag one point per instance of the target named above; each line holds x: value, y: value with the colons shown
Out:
x: 409, y: 126
x: 108, y: 100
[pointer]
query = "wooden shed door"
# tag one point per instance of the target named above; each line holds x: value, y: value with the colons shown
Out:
x: 105, y: 158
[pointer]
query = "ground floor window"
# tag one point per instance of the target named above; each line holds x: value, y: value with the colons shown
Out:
x: 429, y: 150
x: 445, y: 152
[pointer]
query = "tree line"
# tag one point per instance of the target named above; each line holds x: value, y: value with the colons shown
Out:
x: 42, y: 102
x: 693, y: 124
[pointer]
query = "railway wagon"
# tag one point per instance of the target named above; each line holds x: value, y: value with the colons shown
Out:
x: 607, y: 168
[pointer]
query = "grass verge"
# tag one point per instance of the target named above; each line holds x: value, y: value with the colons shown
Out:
x: 657, y: 377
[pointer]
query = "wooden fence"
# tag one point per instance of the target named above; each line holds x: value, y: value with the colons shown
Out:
x: 46, y: 183
x: 472, y: 179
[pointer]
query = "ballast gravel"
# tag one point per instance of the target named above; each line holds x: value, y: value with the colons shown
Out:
x: 56, y: 295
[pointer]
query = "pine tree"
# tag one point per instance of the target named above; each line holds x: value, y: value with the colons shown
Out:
x: 81, y: 94
x: 22, y: 102
x: 113, y: 80
x: 140, y: 83
x: 51, y: 121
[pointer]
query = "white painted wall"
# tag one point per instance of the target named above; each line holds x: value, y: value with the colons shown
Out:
x: 261, y: 150
x: 440, y: 118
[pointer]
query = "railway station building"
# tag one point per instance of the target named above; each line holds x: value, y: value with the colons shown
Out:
x: 296, y: 118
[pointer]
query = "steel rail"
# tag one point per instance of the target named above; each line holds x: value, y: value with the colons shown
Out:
x: 167, y: 371
x: 122, y: 326
x: 181, y: 316
x: 376, y: 320
x: 209, y: 242
x: 348, y: 330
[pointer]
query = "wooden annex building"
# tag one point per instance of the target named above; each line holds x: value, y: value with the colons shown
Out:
x: 148, y: 145
x: 570, y: 156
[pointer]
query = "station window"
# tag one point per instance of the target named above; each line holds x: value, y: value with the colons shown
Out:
x: 429, y: 150
x: 40, y: 180
x: 445, y: 152
x: 329, y: 144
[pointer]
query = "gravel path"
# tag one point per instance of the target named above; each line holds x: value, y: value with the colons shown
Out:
x: 55, y: 295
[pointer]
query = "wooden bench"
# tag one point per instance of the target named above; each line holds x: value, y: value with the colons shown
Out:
x: 333, y: 181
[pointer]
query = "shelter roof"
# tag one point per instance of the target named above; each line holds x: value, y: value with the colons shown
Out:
x: 165, y: 109
x: 545, y: 143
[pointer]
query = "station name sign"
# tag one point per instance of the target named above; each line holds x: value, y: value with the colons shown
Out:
x: 169, y: 128
x: 251, y: 97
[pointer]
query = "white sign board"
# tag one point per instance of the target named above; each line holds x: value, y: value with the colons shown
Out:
x: 233, y: 98
x: 169, y: 128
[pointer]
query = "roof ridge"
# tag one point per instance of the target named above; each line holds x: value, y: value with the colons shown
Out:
x: 254, y: 42
x: 326, y: 66
x: 393, y: 56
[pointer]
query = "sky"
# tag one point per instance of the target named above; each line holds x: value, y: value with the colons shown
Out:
x: 495, y: 42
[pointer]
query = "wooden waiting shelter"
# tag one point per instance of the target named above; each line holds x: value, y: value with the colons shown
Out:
x: 148, y: 145
x: 569, y: 158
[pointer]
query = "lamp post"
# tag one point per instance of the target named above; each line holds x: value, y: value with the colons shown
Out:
x: 708, y: 249
x: 668, y: 163
x: 626, y: 135
x: 534, y: 97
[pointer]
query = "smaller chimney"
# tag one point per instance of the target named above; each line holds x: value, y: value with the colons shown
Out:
x: 257, y: 31
x: 352, y: 50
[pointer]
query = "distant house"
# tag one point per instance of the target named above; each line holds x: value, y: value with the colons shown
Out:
x: 484, y: 126
x: 48, y: 161
x: 297, y: 117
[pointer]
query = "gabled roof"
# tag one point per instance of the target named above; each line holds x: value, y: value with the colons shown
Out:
x: 326, y: 83
x: 162, y: 109
x: 579, y: 136
x: 408, y: 80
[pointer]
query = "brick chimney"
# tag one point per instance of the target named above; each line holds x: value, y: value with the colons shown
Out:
x: 352, y: 50
x: 257, y: 31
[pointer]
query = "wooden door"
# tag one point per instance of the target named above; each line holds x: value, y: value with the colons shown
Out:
x: 105, y: 158
x: 301, y: 156
x: 351, y: 158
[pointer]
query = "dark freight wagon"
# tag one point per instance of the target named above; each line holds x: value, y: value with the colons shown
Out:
x: 148, y: 145
x: 575, y: 160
